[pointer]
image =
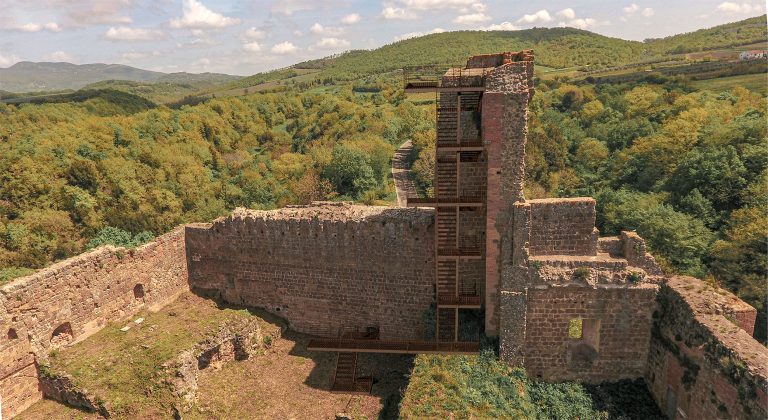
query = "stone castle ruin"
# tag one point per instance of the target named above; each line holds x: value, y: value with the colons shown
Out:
x: 564, y: 303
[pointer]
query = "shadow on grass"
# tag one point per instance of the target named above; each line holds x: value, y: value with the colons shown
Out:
x: 627, y: 399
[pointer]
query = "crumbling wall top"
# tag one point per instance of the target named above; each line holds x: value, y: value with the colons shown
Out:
x: 499, y: 59
x: 335, y: 212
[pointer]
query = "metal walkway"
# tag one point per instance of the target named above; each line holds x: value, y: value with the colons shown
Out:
x: 392, y: 346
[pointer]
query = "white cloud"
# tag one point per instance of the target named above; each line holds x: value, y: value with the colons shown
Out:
x: 8, y: 60
x: 581, y: 23
x: 37, y: 27
x: 196, y: 15
x: 471, y: 19
x: 407, y: 9
x: 333, y: 43
x: 351, y: 19
x: 60, y: 56
x: 125, y: 33
x: 647, y: 12
x: 297, y: 33
x: 253, y: 33
x: 86, y: 12
x: 567, y: 13
x: 739, y: 8
x: 417, y: 34
x: 284, y: 48
x: 436, y: 4
x: 289, y: 7
x: 252, y: 46
x: 632, y: 8
x: 326, y: 30
x: 397, y: 13
x: 542, y: 16
x: 503, y: 26
x: 136, y: 55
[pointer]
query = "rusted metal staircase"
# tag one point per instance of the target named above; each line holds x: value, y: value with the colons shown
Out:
x: 345, y: 377
x: 456, y: 145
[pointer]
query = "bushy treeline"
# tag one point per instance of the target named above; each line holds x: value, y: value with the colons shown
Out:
x: 67, y: 172
x: 483, y: 387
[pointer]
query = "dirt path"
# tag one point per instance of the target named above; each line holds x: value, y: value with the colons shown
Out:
x: 404, y: 186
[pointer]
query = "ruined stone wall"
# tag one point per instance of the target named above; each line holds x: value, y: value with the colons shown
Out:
x: 563, y: 226
x: 702, y: 363
x: 623, y: 327
x: 72, y: 299
x: 489, y: 60
x: 323, y: 267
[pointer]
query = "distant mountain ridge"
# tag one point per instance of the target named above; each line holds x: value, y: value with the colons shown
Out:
x: 27, y: 76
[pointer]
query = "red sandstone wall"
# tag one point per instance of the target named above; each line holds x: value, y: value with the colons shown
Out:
x: 322, y: 268
x: 624, y: 333
x: 87, y: 292
x: 702, y: 365
x: 563, y: 226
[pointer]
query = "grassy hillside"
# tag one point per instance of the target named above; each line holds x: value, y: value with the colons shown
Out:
x: 556, y: 48
x: 744, y: 32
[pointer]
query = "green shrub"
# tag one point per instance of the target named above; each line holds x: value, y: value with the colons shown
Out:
x: 10, y: 273
x: 635, y: 276
x: 484, y: 387
x: 582, y: 273
x: 118, y: 237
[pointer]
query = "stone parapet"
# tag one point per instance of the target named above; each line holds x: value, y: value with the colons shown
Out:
x: 703, y: 362
x: 563, y: 226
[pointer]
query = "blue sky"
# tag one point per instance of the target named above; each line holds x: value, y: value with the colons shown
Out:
x: 247, y: 36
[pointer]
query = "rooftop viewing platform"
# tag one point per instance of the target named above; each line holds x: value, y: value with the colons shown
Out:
x: 458, y: 78
x: 444, y: 79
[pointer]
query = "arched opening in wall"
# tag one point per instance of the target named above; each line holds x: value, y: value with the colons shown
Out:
x: 62, y: 335
x: 138, y: 291
x: 12, y: 335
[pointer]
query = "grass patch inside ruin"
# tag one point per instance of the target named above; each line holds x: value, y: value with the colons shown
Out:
x: 124, y: 369
x: 483, y: 387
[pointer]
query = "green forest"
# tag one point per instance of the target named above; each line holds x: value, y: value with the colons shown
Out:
x: 684, y: 166
x: 71, y: 170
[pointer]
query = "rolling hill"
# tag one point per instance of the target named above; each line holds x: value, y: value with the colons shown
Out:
x: 554, y: 47
x: 29, y: 76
